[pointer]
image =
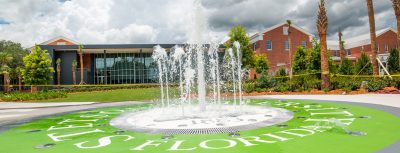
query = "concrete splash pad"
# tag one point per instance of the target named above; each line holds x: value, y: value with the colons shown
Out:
x: 216, y: 119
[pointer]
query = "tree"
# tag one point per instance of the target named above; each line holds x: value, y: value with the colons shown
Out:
x: 238, y: 33
x: 363, y: 65
x: 307, y: 60
x: 58, y: 62
x: 314, y: 57
x: 5, y: 60
x: 74, y: 64
x: 19, y: 73
x: 80, y: 52
x: 346, y: 67
x: 17, y: 53
x: 322, y: 26
x: 281, y: 72
x: 371, y: 16
x: 300, y: 61
x: 396, y: 7
x: 333, y: 66
x: 394, y: 62
x: 289, y: 23
x: 261, y: 64
x: 37, y: 68
x: 341, y: 47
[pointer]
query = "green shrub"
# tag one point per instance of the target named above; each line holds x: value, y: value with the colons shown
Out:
x: 373, y: 86
x: 21, y: 96
x: 266, y: 81
x: 394, y: 62
x: 346, y: 67
x: 304, y: 83
x: 106, y: 88
x: 363, y: 65
x: 348, y: 83
x: 260, y: 89
x: 281, y: 87
x: 396, y: 82
x: 249, y: 87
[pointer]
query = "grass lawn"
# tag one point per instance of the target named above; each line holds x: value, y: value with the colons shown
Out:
x: 112, y: 96
x: 90, y: 132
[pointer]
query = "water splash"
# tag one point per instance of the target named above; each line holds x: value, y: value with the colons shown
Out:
x: 160, y: 56
x: 196, y: 68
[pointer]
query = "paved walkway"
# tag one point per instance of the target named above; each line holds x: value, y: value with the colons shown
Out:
x: 22, y: 105
x: 380, y: 99
x: 12, y: 112
x: 15, y: 113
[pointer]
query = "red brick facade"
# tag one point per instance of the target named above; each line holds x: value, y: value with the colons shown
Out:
x: 278, y: 55
x: 385, y: 41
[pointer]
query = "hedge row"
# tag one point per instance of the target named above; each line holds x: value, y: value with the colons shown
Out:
x: 42, y: 95
x: 309, y: 82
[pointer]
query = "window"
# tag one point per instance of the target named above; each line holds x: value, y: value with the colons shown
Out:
x: 386, y: 48
x: 269, y: 45
x: 285, y: 31
x: 254, y: 46
x: 304, y: 44
x: 124, y: 68
x: 286, y: 45
x: 378, y: 48
x: 348, y: 52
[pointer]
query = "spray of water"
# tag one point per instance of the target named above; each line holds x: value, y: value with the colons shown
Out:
x: 196, y: 68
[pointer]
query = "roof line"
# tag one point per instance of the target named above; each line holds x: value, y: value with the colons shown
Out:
x: 283, y: 23
x: 57, y: 38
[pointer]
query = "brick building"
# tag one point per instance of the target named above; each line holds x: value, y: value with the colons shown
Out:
x: 273, y: 42
x: 386, y: 39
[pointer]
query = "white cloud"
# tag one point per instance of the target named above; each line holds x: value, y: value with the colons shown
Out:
x: 170, y: 21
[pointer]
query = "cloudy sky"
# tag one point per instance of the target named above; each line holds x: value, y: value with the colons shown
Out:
x: 172, y: 21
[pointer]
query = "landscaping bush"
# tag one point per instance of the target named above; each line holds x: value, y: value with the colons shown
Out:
x: 266, y: 81
x: 375, y: 85
x: 249, y: 87
x: 281, y: 87
x: 363, y: 65
x: 346, y: 83
x: 304, y: 83
x: 21, y: 96
x: 106, y: 88
x: 281, y: 75
x: 396, y: 82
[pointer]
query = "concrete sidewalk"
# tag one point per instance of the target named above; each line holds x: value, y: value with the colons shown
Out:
x: 26, y: 105
x: 15, y: 113
x: 392, y: 100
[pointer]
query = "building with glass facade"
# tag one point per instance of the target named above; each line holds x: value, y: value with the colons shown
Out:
x: 105, y: 64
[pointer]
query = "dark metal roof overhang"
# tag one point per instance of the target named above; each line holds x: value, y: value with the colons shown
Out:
x: 115, y: 48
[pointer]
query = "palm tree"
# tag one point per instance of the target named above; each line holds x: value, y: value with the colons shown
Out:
x: 396, y: 7
x: 19, y: 73
x: 289, y: 23
x: 58, y: 62
x: 371, y: 17
x: 322, y: 26
x: 74, y: 64
x: 80, y: 51
x: 5, y: 59
x: 341, y: 47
